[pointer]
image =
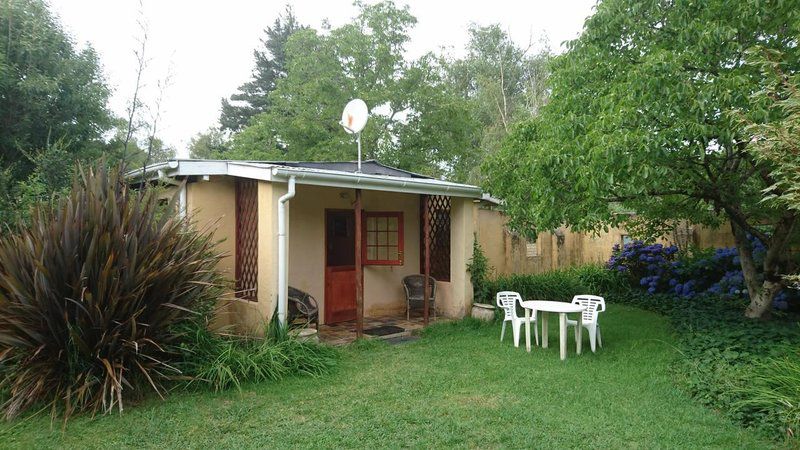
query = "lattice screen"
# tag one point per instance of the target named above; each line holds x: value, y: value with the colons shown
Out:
x: 246, y: 239
x: 439, y: 213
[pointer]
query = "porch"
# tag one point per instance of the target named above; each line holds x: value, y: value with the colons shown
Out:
x: 381, y: 327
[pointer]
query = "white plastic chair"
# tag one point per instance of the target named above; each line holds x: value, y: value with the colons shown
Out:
x: 507, y: 301
x: 594, y: 305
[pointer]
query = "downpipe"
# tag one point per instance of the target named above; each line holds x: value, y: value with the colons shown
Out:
x: 283, y: 253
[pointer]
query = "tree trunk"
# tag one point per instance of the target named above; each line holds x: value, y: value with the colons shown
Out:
x: 762, y: 291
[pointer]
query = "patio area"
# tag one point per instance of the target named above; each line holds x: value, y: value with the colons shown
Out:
x: 382, y: 327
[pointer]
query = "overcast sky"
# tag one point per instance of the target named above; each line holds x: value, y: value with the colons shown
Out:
x: 207, y: 45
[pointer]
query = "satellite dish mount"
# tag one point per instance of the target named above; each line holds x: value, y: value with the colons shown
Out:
x: 354, y: 118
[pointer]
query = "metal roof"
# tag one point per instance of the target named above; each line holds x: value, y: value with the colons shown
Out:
x: 370, y: 167
x: 374, y: 175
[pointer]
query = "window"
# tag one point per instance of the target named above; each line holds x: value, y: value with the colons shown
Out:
x: 383, y: 238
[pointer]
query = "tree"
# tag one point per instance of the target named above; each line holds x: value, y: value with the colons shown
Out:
x: 417, y: 121
x: 51, y: 95
x: 776, y: 138
x: 504, y: 82
x: 270, y: 66
x: 639, y: 118
x: 50, y: 90
x: 209, y: 144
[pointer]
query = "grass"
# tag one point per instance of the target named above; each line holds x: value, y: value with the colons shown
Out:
x: 457, y: 386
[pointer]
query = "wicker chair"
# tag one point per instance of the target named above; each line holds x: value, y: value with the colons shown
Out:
x: 414, y: 285
x: 302, y: 305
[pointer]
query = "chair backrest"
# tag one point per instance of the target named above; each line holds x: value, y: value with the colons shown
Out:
x: 414, y: 286
x: 507, y: 300
x: 302, y: 304
x: 593, y: 305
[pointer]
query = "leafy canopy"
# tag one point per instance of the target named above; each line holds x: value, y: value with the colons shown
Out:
x: 53, y: 108
x: 639, y: 119
x: 252, y: 97
x: 417, y: 122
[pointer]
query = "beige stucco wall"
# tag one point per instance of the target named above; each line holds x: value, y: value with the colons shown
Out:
x: 705, y: 237
x: 509, y: 253
x: 455, y: 297
x: 210, y: 205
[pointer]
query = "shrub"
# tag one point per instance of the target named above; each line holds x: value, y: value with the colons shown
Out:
x: 659, y: 269
x: 647, y: 265
x: 773, y: 392
x: 94, y: 293
x: 479, y: 269
x: 227, y: 361
x: 594, y: 278
x: 730, y: 363
x: 561, y: 285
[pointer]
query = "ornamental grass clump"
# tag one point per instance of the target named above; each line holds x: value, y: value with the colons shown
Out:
x: 94, y: 294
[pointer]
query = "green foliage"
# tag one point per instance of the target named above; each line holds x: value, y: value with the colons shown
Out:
x: 479, y: 270
x: 503, y: 83
x: 729, y: 363
x: 50, y: 177
x: 777, y: 141
x: 223, y: 362
x: 776, y: 135
x: 435, y: 115
x: 94, y: 293
x: 50, y: 90
x: 210, y: 144
x: 773, y: 391
x: 562, y: 285
x: 417, y: 121
x: 639, y: 119
x: 252, y: 97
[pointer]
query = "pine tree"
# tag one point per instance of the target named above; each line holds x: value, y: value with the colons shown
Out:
x: 270, y: 66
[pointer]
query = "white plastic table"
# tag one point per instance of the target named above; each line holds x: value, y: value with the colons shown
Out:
x: 562, y: 308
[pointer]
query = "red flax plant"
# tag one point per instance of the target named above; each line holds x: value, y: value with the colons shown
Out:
x: 96, y: 293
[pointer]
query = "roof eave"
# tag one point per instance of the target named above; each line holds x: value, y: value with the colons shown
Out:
x: 376, y: 182
x: 317, y: 177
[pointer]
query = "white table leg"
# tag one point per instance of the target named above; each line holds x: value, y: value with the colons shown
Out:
x: 544, y: 329
x: 579, y: 344
x: 562, y: 334
x: 528, y: 330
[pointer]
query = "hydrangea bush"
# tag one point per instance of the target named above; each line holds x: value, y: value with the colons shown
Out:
x: 647, y: 265
x: 662, y: 269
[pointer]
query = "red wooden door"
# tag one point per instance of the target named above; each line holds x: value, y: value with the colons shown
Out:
x: 340, y: 266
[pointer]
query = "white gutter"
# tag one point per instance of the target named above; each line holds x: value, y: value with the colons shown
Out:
x: 283, y: 254
x: 376, y: 182
x: 171, y: 164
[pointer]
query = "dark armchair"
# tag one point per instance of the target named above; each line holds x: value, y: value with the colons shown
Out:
x: 413, y: 286
x: 302, y: 306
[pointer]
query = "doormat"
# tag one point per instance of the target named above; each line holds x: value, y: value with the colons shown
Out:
x: 384, y: 330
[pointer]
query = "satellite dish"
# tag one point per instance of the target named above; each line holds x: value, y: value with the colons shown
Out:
x: 354, y: 116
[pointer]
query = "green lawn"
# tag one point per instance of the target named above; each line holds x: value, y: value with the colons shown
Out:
x: 458, y: 386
